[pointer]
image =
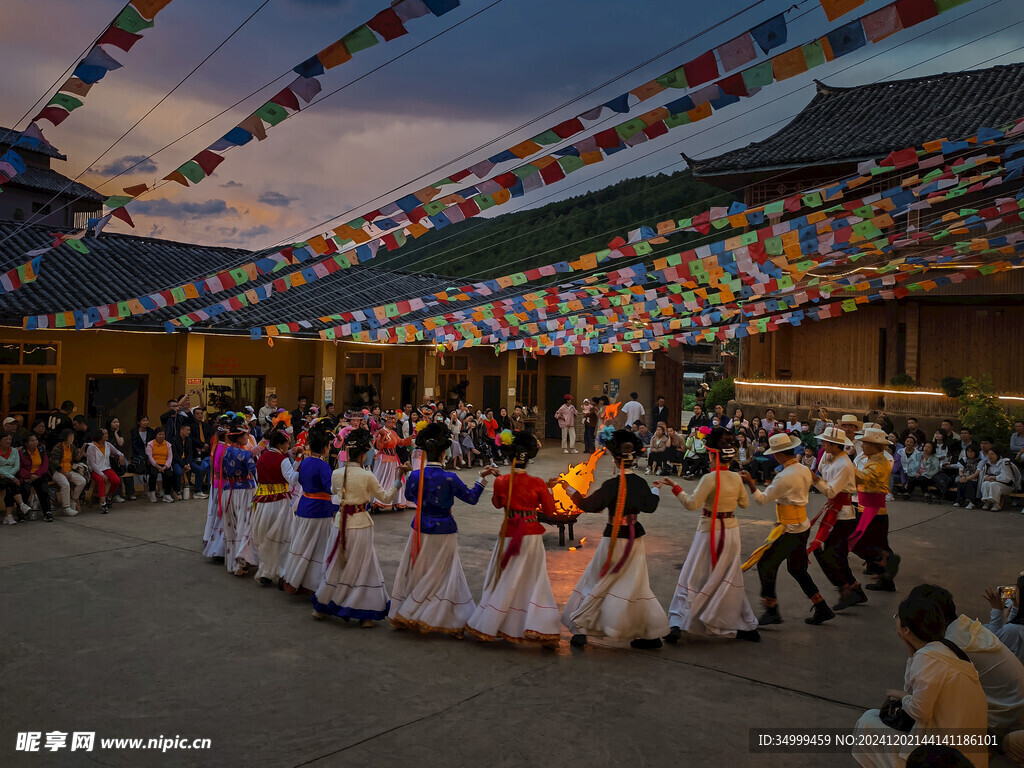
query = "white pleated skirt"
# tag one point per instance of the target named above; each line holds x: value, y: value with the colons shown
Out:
x: 618, y: 606
x: 303, y: 563
x: 386, y: 473
x: 269, y: 537
x: 518, y: 604
x: 353, y: 586
x: 237, y: 520
x: 432, y: 595
x: 712, y: 601
x: 213, y: 537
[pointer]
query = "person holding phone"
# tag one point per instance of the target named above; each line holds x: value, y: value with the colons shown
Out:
x: 1006, y: 620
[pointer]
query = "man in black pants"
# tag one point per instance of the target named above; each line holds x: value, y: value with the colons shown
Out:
x: 787, y: 542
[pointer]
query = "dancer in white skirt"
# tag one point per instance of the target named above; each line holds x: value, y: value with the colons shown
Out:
x: 352, y: 586
x: 710, y: 598
x: 613, y: 598
x: 430, y: 592
x: 213, y: 536
x: 239, y: 484
x: 303, y: 564
x: 517, y: 603
x: 270, y: 533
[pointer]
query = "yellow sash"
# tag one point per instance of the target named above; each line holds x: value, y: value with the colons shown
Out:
x: 787, y: 514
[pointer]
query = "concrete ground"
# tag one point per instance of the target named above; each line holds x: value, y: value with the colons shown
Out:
x: 115, y: 624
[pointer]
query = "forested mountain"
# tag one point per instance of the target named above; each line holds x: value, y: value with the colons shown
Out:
x: 560, y: 231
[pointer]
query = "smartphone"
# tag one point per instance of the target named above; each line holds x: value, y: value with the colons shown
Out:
x: 1007, y: 593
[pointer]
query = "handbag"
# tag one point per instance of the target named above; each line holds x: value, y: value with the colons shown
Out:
x: 892, y: 712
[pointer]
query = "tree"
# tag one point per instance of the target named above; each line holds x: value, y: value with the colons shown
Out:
x: 721, y: 393
x: 981, y: 412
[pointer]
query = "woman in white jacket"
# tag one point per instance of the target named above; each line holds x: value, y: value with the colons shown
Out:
x: 996, y: 481
x: 941, y: 691
x: 99, y: 454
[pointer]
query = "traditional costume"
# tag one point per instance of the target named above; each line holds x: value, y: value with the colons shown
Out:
x: 303, y: 565
x: 613, y: 598
x: 709, y: 597
x: 430, y: 592
x: 272, y: 517
x: 517, y: 603
x: 239, y: 476
x: 385, y: 467
x: 787, y: 541
x: 831, y: 545
x: 870, y: 539
x: 213, y: 535
x: 352, y: 585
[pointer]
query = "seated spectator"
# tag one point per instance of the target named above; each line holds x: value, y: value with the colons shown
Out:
x: 39, y: 430
x: 723, y: 421
x: 10, y: 466
x: 755, y: 427
x: 641, y: 431
x: 184, y: 456
x: 908, y: 459
x: 744, y: 453
x: 996, y: 481
x: 140, y: 436
x: 1017, y: 443
x: 699, y: 419
x: 769, y: 422
x: 793, y: 423
x: 101, y: 455
x: 160, y: 456
x: 762, y: 464
x: 695, y: 460
x: 122, y: 444
x: 81, y: 426
x: 941, y: 690
x: 999, y: 670
x: 69, y: 481
x: 656, y: 450
x: 927, y: 470
x: 10, y: 428
x: 968, y: 478
x: 35, y: 474
x: 912, y: 430
x: 57, y: 422
x: 1007, y: 622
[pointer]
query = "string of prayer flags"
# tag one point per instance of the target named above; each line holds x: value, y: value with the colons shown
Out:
x: 122, y: 34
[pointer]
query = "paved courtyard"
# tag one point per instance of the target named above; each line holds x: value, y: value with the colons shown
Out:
x: 115, y: 624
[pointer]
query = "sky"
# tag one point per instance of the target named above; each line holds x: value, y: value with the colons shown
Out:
x: 459, y: 93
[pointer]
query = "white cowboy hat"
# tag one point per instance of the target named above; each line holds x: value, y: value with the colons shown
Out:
x: 835, y: 435
x: 780, y: 443
x: 850, y: 419
x: 870, y: 425
x: 876, y: 436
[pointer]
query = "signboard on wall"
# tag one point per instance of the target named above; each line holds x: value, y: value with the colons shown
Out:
x: 613, y: 390
x: 194, y: 382
x: 268, y: 391
x: 328, y: 389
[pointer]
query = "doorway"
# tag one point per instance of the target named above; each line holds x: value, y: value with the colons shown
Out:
x: 491, y: 393
x: 410, y: 388
x: 555, y: 390
x: 123, y: 397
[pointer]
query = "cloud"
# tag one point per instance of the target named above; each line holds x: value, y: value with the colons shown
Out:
x: 259, y: 231
x: 232, y: 184
x: 276, y: 199
x: 168, y: 209
x: 137, y: 163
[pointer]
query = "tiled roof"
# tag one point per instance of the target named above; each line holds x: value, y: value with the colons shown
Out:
x: 119, y: 267
x: 869, y: 121
x: 51, y: 182
x: 8, y: 136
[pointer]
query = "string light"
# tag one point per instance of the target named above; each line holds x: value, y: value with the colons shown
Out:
x: 834, y: 388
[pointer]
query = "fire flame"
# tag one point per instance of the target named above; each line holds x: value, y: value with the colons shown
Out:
x: 580, y: 478
x: 611, y: 411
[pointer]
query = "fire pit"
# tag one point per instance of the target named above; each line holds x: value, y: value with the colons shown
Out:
x: 580, y: 478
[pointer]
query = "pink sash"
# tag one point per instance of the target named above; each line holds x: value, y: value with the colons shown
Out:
x: 870, y: 504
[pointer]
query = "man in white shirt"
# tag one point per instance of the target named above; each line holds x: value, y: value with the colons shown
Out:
x: 633, y: 410
x: 267, y: 414
x: 787, y: 542
x: 831, y: 546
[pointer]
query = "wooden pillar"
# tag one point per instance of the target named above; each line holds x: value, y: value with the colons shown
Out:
x: 913, y: 337
x: 509, y: 377
x: 892, y: 340
x: 190, y: 360
x: 325, y: 367
x: 429, y: 385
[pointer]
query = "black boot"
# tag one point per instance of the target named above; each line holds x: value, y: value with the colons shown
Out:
x: 851, y: 596
x: 822, y: 613
x: 771, y: 615
x: 882, y: 585
x: 645, y: 644
x: 892, y: 565
x: 752, y: 635
x: 673, y: 635
x: 578, y: 641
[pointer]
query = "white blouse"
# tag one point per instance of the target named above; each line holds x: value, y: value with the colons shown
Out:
x: 357, y: 487
x: 731, y: 495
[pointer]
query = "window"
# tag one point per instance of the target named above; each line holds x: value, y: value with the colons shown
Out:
x: 364, y: 372
x: 526, y: 381
x: 40, y: 208
x: 28, y: 379
x: 453, y: 379
x: 19, y: 214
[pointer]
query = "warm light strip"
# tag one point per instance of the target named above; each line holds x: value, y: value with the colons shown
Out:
x: 855, y: 389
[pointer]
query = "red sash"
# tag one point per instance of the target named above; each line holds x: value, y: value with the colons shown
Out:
x: 341, y: 542
x: 830, y: 512
x: 870, y: 504
x: 515, y: 531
